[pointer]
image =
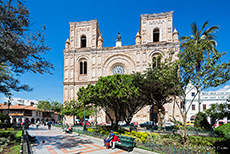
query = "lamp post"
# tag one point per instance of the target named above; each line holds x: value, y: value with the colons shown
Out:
x: 9, y: 103
x: 84, y: 127
x: 50, y: 112
x: 95, y: 109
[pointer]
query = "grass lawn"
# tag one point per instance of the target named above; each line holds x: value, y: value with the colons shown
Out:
x: 14, y: 149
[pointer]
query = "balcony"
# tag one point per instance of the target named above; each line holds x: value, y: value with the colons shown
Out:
x: 16, y: 114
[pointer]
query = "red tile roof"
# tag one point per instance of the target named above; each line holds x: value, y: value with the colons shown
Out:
x: 19, y: 107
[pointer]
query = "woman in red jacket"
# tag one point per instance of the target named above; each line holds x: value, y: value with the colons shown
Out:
x: 113, y: 141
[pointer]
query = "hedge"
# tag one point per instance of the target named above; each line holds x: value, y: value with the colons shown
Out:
x: 18, y: 136
x: 223, y: 130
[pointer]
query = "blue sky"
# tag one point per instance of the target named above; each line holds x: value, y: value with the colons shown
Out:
x: 113, y: 16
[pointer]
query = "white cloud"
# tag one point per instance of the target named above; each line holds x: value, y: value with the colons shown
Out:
x: 225, y: 88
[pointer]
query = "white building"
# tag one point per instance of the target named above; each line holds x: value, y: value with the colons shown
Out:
x: 20, y: 113
x: 207, y: 99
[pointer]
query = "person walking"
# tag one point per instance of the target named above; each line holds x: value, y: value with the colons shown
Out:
x: 49, y: 125
x: 37, y: 124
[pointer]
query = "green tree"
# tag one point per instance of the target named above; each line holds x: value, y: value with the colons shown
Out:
x: 56, y: 106
x: 75, y: 108
x: 138, y: 101
x: 7, y: 81
x: 218, y: 111
x: 200, y: 45
x: 114, y: 95
x: 21, y: 48
x: 158, y: 84
x: 43, y: 105
x: 46, y: 106
x: 4, y: 117
x: 201, y: 121
x: 200, y: 68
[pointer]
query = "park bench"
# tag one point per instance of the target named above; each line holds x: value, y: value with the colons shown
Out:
x: 126, y: 142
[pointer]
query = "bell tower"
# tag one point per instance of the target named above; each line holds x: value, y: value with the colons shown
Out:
x: 84, y: 34
x: 156, y: 27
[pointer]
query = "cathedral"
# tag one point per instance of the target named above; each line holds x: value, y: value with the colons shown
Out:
x: 85, y: 58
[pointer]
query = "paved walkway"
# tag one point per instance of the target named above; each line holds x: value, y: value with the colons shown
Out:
x: 56, y: 142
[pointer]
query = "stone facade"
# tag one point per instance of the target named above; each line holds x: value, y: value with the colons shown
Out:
x: 85, y: 58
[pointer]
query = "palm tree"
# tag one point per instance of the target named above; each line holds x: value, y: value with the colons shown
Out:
x: 202, y: 43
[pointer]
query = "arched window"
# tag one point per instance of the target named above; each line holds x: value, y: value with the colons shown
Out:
x: 156, y: 61
x: 83, y: 66
x: 156, y: 34
x: 83, y: 41
x: 193, y: 117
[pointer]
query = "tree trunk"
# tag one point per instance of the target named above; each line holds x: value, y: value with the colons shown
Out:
x: 110, y: 118
x: 199, y: 103
x: 185, y: 136
x: 117, y: 114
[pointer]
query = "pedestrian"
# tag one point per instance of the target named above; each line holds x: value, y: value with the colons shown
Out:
x: 49, y: 125
x: 37, y: 124
x: 69, y: 129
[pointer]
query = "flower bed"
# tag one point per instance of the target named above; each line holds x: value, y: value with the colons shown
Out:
x: 166, y: 143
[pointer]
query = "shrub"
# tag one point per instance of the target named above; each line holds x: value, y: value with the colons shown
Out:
x: 223, y: 130
x: 102, y: 131
x: 190, y: 128
x: 177, y: 122
x: 18, y: 136
x: 201, y: 122
x: 6, y: 134
x: 90, y: 130
x: 204, y: 141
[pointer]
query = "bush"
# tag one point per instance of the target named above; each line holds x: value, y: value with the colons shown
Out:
x: 190, y: 128
x: 204, y: 141
x: 6, y: 134
x: 201, y: 122
x: 90, y: 130
x: 4, y: 117
x: 177, y: 122
x: 6, y: 125
x: 18, y: 136
x: 223, y: 130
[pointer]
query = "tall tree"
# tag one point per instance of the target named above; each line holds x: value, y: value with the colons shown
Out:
x: 200, y: 44
x: 56, y: 106
x: 46, y: 105
x: 200, y: 68
x: 158, y: 84
x: 76, y: 108
x: 218, y: 111
x: 114, y: 94
x: 21, y: 49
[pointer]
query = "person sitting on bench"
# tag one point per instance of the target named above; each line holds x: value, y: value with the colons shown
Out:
x: 109, y: 138
x: 113, y: 141
x: 69, y: 129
